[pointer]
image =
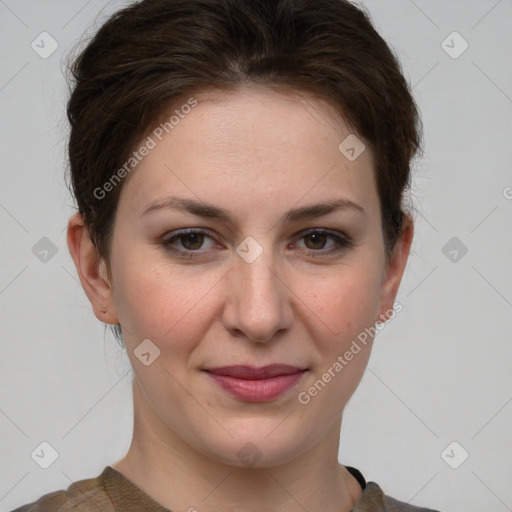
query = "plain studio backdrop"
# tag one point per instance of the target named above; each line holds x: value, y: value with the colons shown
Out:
x: 431, y: 420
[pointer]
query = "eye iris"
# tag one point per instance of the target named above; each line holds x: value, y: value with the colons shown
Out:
x: 192, y: 241
x: 318, y: 240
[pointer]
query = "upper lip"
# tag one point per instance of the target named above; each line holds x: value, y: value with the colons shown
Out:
x: 255, y: 372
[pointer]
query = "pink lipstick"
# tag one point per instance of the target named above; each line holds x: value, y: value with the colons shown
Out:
x: 256, y: 384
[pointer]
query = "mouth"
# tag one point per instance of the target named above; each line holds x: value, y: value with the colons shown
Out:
x: 255, y: 372
x: 256, y: 384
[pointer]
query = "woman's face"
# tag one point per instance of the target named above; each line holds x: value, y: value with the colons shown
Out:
x: 284, y: 263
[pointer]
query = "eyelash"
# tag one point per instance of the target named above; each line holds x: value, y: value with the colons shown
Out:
x: 342, y: 243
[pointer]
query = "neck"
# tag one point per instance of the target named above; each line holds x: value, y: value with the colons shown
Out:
x: 179, y: 477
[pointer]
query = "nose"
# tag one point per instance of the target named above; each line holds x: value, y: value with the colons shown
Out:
x: 258, y: 299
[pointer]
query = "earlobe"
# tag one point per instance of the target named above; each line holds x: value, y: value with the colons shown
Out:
x: 91, y: 269
x: 395, y: 269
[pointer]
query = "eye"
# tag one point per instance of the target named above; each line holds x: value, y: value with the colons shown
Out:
x: 319, y: 242
x: 193, y: 243
x: 188, y: 241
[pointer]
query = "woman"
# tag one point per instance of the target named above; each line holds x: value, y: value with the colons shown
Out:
x: 239, y: 169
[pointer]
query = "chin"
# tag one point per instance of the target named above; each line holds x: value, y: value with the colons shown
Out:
x: 260, y: 444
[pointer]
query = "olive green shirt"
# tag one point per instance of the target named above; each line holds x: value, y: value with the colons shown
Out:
x: 113, y: 492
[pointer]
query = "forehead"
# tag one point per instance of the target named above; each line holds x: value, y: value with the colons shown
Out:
x: 260, y: 143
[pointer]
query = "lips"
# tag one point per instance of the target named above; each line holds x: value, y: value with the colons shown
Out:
x: 255, y: 373
x: 253, y: 384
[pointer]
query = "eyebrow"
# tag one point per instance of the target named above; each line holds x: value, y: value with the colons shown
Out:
x: 209, y: 211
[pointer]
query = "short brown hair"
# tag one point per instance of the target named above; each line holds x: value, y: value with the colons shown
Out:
x: 152, y: 54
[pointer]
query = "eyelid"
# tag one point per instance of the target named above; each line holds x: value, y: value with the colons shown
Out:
x: 167, y: 241
x: 324, y: 231
x: 342, y: 241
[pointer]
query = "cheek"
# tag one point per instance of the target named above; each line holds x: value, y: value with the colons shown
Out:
x: 161, y: 301
x: 345, y: 306
x: 345, y: 301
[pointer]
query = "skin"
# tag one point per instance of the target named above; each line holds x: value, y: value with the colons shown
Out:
x: 256, y: 153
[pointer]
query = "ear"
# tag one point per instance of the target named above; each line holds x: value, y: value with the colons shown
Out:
x: 92, y: 270
x: 395, y: 269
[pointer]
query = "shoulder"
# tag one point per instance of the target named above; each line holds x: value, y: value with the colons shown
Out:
x: 373, y: 499
x: 88, y: 495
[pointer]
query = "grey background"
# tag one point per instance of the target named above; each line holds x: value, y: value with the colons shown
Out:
x: 440, y: 371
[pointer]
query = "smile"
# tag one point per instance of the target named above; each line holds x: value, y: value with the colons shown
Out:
x: 256, y: 385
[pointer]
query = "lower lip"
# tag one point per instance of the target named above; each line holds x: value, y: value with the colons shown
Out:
x: 261, y: 390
